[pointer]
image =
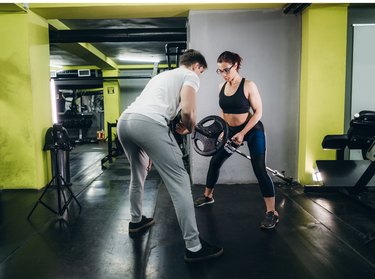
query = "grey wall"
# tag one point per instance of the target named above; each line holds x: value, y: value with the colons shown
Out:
x: 269, y: 42
x: 131, y: 88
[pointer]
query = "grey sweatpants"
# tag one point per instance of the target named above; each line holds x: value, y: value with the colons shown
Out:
x: 143, y: 138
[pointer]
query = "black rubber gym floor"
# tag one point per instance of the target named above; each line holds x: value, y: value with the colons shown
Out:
x: 319, y: 235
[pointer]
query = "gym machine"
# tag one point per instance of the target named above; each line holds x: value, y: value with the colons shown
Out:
x: 174, y: 50
x: 85, y: 114
x: 351, y: 177
x: 113, y: 152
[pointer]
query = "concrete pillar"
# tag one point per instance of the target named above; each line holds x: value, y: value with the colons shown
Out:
x: 25, y: 103
x: 323, y: 67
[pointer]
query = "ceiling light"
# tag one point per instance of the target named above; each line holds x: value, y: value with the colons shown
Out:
x: 140, y: 59
x: 53, y: 101
x: 56, y: 66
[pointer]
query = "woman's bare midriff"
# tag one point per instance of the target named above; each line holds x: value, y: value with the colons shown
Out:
x: 235, y: 119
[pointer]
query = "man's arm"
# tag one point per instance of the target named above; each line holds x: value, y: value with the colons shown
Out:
x: 188, y: 100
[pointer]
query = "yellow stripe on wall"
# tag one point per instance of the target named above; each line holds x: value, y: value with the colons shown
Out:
x: 323, y: 66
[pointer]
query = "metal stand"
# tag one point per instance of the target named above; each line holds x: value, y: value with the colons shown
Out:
x: 60, y: 184
x: 112, y: 151
x: 174, y: 49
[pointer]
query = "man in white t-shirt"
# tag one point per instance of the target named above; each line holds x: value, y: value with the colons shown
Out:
x: 145, y: 135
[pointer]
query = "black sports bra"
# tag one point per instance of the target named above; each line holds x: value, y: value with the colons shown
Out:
x: 236, y: 103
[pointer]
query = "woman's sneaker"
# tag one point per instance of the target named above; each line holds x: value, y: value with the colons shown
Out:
x: 203, y: 201
x: 207, y: 252
x: 270, y: 221
x: 145, y: 223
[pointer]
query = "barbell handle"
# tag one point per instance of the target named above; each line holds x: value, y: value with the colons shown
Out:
x: 274, y: 172
x: 202, y: 131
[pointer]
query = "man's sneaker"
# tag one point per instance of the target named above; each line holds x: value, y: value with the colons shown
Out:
x: 270, y: 221
x: 207, y: 252
x: 203, y: 200
x: 145, y: 223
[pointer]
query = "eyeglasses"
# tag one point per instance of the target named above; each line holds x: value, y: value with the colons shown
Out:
x: 226, y: 70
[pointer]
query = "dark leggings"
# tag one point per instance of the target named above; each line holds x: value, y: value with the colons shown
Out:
x: 256, y: 142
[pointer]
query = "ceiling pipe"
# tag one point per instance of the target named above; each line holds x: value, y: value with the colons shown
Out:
x: 288, y: 8
x: 118, y: 35
x: 299, y: 9
x: 295, y: 8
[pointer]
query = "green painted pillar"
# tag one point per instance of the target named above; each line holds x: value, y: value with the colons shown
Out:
x: 111, y: 93
x: 25, y: 103
x: 323, y: 66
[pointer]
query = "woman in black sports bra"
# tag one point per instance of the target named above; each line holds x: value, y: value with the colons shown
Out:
x: 241, y: 107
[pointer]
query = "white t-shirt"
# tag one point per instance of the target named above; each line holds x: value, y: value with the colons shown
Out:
x: 160, y: 99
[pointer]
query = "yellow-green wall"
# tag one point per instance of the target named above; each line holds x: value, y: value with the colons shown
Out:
x: 323, y: 66
x: 111, y: 97
x: 25, y: 109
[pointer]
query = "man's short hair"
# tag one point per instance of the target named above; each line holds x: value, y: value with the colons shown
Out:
x: 191, y: 56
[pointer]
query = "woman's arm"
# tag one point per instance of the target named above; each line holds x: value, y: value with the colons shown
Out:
x: 221, y: 111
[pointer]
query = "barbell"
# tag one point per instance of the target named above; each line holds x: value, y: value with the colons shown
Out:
x: 211, y: 134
